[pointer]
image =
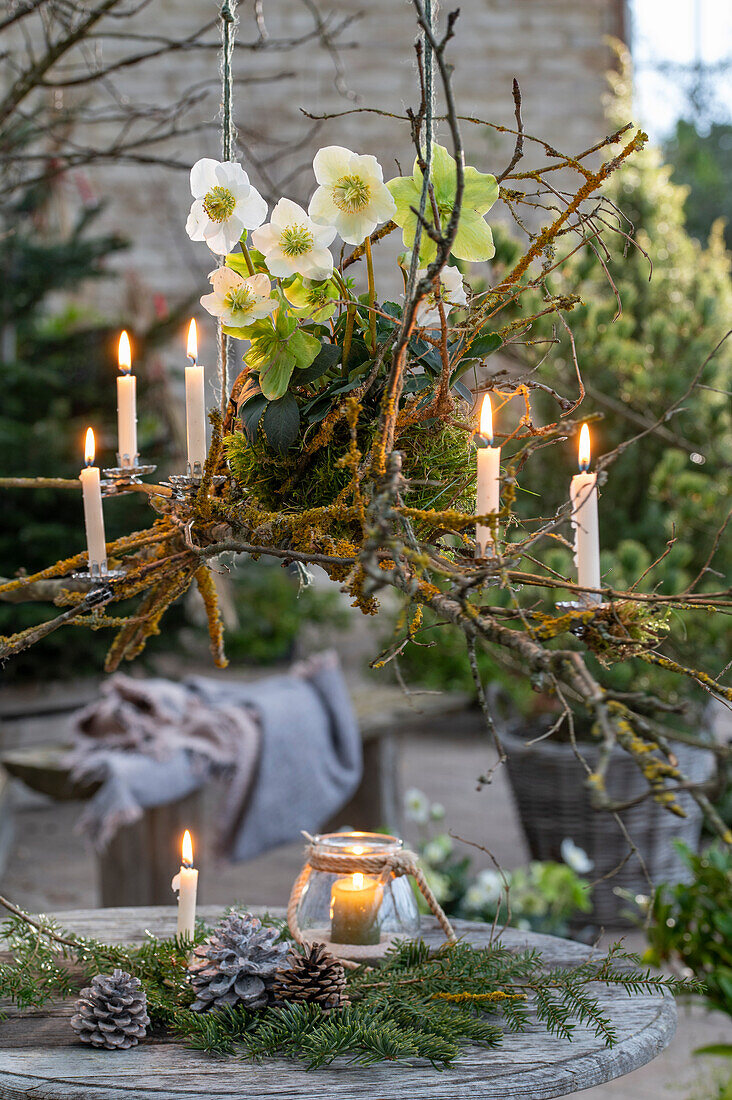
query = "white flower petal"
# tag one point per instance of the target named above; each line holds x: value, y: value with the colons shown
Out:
x: 203, y: 177
x: 331, y: 162
x: 220, y: 238
x: 260, y: 285
x: 197, y: 220
x: 229, y: 173
x: 263, y: 308
x: 286, y: 212
x: 318, y: 264
x: 279, y: 265
x: 213, y: 304
x: 322, y: 208
x: 382, y: 205
x: 352, y: 228
x: 367, y: 167
x: 323, y: 235
x: 223, y: 279
x: 265, y: 238
x: 252, y: 210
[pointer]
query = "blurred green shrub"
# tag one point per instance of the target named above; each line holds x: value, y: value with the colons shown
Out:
x: 272, y: 611
x: 691, y: 923
x: 542, y: 897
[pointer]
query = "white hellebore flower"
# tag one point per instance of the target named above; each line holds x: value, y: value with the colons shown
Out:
x: 352, y: 195
x: 238, y: 301
x: 452, y: 292
x: 292, y: 244
x: 576, y: 857
x: 416, y: 806
x: 224, y: 204
x: 485, y: 891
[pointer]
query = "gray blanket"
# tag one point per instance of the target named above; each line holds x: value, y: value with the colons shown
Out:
x: 288, y: 746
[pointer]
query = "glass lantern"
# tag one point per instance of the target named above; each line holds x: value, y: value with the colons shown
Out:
x: 354, y: 912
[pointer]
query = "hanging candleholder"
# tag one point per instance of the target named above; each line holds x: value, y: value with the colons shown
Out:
x: 354, y: 895
x: 98, y: 574
x: 186, y: 484
x: 119, y: 478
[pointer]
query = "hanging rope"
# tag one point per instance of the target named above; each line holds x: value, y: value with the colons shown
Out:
x: 430, y: 7
x: 228, y: 19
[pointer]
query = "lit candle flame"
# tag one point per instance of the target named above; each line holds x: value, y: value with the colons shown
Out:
x: 358, y: 881
x: 192, y: 341
x: 124, y: 353
x: 187, y: 850
x: 357, y: 850
x: 89, y: 447
x: 584, y: 448
x: 486, y: 418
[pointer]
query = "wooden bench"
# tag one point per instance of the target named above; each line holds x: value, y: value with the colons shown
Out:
x: 135, y: 868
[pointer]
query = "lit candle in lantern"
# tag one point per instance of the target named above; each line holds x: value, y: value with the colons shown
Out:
x: 354, y: 908
x: 91, y: 489
x: 583, y: 495
x: 126, y: 406
x: 185, y: 884
x: 195, y: 406
x: 488, y: 484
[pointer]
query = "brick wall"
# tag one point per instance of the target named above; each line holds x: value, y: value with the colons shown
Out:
x: 554, y: 47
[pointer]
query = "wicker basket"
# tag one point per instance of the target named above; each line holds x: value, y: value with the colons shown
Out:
x: 548, y: 788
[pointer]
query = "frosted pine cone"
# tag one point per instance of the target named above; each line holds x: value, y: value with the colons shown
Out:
x: 236, y: 965
x: 112, y: 1012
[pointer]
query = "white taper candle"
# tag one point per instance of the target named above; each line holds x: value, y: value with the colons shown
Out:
x: 93, y: 515
x: 185, y: 883
x: 583, y: 494
x: 126, y: 405
x: 488, y: 486
x: 195, y: 406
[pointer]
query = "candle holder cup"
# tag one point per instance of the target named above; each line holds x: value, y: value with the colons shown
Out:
x: 98, y: 574
x: 119, y: 478
x: 184, y: 485
x: 354, y: 895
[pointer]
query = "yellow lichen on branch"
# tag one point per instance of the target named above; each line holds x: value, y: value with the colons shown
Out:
x: 207, y: 588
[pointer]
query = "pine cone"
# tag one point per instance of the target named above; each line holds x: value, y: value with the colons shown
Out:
x: 315, y: 977
x: 112, y: 1012
x: 236, y: 965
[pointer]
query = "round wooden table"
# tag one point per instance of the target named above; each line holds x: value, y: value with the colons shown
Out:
x: 40, y: 1057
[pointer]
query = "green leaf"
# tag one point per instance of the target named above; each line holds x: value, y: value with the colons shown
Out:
x: 303, y: 347
x: 238, y: 333
x: 276, y: 374
x: 281, y: 423
x: 251, y: 414
x: 326, y: 358
x: 277, y: 348
x: 392, y: 309
x: 237, y: 263
x: 463, y: 390
x: 485, y: 344
x: 720, y: 1050
x: 474, y: 239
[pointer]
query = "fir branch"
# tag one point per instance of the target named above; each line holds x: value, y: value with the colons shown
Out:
x: 420, y: 1004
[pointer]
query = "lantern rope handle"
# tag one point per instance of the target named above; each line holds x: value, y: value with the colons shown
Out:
x: 387, y: 865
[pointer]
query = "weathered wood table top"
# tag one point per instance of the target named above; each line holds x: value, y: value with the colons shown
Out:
x: 40, y: 1057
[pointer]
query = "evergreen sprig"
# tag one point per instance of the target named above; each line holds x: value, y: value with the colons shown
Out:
x: 419, y: 1004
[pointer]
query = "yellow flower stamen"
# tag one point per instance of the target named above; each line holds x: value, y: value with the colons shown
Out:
x: 219, y: 204
x: 295, y: 240
x: 351, y: 193
x: 240, y: 300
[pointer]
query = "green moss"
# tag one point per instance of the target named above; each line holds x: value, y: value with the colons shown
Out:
x: 437, y: 460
